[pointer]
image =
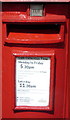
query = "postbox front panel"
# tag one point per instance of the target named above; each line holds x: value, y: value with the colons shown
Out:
x: 10, y: 103
x: 34, y: 62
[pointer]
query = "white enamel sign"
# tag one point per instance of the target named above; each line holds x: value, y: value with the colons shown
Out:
x: 32, y: 81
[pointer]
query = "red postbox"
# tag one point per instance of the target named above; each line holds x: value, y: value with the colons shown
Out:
x: 35, y: 59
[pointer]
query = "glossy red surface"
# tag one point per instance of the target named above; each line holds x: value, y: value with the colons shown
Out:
x: 55, y: 13
x: 68, y: 75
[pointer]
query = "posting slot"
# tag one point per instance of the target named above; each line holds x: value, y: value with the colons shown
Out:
x: 35, y: 33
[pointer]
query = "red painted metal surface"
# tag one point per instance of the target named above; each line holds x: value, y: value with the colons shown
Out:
x: 0, y: 61
x: 68, y: 75
x: 15, y: 15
